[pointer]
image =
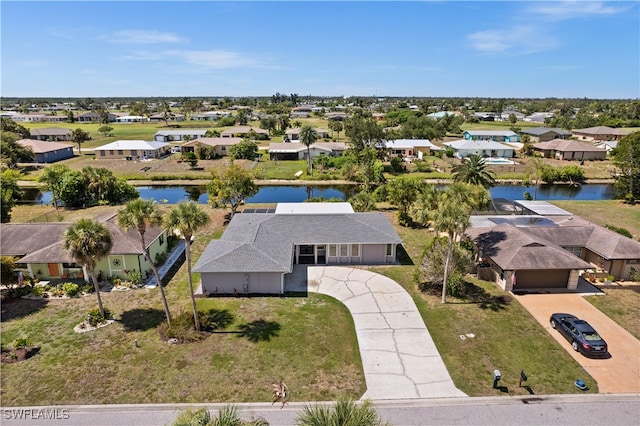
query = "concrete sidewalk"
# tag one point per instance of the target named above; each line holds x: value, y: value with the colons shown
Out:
x: 399, y: 358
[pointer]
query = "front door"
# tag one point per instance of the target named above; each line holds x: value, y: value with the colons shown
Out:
x: 321, y: 252
x: 54, y: 270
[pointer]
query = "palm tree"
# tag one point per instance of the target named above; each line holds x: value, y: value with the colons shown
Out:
x: 87, y: 241
x: 536, y: 168
x: 453, y: 218
x: 474, y: 171
x: 426, y: 204
x: 308, y: 136
x: 184, y: 219
x: 140, y: 214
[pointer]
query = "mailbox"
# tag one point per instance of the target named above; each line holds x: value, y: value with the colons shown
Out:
x: 496, y: 377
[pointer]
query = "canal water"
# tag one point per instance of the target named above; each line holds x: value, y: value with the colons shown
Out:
x: 276, y: 194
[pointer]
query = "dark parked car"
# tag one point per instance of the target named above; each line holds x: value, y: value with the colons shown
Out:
x: 582, y: 336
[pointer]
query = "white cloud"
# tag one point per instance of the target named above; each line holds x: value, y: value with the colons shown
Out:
x: 514, y: 41
x: 143, y: 37
x: 574, y: 9
x: 214, y: 59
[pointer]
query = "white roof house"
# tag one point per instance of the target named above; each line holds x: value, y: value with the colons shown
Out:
x: 132, y: 149
x: 464, y: 148
x: 314, y: 208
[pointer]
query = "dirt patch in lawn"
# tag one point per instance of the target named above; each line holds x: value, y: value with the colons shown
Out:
x: 18, y: 355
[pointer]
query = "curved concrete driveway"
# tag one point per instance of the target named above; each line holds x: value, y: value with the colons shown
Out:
x: 618, y: 374
x: 399, y: 358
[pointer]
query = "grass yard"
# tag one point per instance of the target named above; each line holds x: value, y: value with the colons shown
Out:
x: 605, y: 212
x: 621, y: 304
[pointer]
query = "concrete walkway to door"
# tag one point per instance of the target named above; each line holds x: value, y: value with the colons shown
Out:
x: 618, y: 374
x: 399, y: 358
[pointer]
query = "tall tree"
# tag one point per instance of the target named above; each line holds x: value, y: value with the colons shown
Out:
x: 140, y: 214
x: 79, y: 136
x: 452, y: 217
x: 165, y: 110
x: 10, y: 192
x: 402, y: 192
x: 51, y: 180
x: 87, y: 241
x: 185, y: 219
x: 308, y: 136
x: 536, y: 169
x: 231, y: 187
x: 626, y: 157
x: 474, y: 170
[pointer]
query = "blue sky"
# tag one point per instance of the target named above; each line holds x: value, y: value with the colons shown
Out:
x: 329, y: 48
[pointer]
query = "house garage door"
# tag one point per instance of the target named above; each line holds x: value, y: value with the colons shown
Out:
x: 541, y: 279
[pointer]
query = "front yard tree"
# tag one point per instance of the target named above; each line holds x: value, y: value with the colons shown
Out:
x: 402, y: 192
x: 165, y: 111
x: 452, y: 217
x: 87, y: 241
x: 626, y: 157
x: 308, y: 136
x: 79, y: 136
x: 185, y: 219
x: 245, y: 150
x: 139, y: 214
x: 231, y: 187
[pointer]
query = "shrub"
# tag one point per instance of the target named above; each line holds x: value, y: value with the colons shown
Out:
x: 135, y: 277
x: 70, y: 289
x: 621, y: 231
x: 94, y: 318
x: 421, y: 166
x: 21, y: 342
x: 397, y: 165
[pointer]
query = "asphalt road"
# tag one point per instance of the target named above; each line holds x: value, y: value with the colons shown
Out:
x: 597, y: 409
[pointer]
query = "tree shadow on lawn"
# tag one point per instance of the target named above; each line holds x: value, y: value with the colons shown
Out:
x: 141, y: 319
x: 472, y: 294
x: 215, y: 319
x: 16, y: 308
x: 259, y: 330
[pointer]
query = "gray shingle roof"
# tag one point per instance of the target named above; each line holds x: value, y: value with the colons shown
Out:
x: 567, y: 145
x: 264, y: 242
x: 538, y: 131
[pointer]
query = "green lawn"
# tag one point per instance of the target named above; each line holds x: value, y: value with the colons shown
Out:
x: 605, y: 212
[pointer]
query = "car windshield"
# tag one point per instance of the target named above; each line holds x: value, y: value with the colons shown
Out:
x: 591, y: 337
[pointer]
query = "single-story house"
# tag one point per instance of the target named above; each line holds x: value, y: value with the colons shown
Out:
x: 132, y: 149
x: 566, y: 149
x: 242, y: 131
x: 544, y: 134
x: 336, y: 116
x: 533, y: 251
x: 293, y: 135
x: 178, y: 135
x: 57, y: 118
x: 48, y: 152
x: 29, y: 118
x: 484, y: 148
x: 159, y: 117
x: 506, y: 115
x: 410, y: 148
x: 94, y: 117
x: 600, y: 133
x: 51, y: 134
x: 131, y: 119
x: 298, y: 151
x: 607, y: 145
x: 486, y: 116
x: 491, y: 135
x: 257, y: 250
x: 210, y: 115
x: 440, y: 114
x: 39, y: 249
x: 538, y: 117
x: 220, y: 145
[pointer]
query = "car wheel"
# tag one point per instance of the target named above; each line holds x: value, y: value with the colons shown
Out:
x: 574, y: 345
x: 553, y: 323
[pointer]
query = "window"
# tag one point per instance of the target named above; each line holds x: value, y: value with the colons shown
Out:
x: 120, y: 152
x: 70, y: 265
x: 344, y: 250
x: 355, y: 250
x: 223, y: 148
x: 134, y: 152
x: 389, y: 249
x: 102, y: 153
x: 332, y: 250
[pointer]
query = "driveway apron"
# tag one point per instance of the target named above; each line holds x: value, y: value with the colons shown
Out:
x: 618, y: 374
x: 399, y: 358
